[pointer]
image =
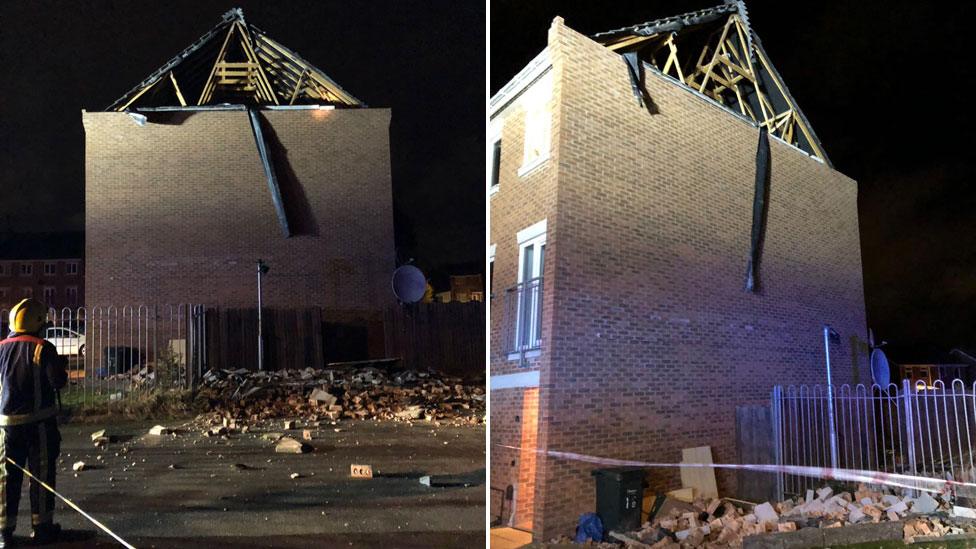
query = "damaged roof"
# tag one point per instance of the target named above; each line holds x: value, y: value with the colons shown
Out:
x: 715, y: 52
x: 235, y: 62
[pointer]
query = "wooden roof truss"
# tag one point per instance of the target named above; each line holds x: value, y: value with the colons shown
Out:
x: 715, y: 53
x: 236, y: 63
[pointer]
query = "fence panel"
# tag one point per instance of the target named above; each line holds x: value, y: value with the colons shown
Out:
x: 448, y: 337
x: 920, y: 429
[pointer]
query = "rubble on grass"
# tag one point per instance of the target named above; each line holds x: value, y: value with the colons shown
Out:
x: 342, y: 393
x: 722, y: 523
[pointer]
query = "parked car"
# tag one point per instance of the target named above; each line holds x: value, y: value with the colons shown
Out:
x: 68, y: 342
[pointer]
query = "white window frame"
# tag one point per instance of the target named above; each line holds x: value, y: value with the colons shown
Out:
x: 71, y: 268
x: 26, y: 269
x: 494, y: 136
x: 537, y: 143
x: 54, y: 294
x: 53, y: 267
x: 535, y: 236
x: 491, y: 270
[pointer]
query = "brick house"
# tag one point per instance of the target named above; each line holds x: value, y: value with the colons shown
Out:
x: 46, y: 266
x: 622, y: 194
x: 237, y: 150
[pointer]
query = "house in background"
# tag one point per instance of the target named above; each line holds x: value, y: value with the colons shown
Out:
x: 49, y: 267
x: 622, y: 195
x: 235, y: 150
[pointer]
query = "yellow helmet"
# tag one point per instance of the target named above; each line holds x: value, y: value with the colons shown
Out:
x: 27, y: 316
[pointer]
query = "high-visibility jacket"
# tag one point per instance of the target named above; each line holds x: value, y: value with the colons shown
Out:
x: 30, y: 372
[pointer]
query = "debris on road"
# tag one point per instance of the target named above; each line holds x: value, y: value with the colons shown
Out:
x: 159, y: 430
x: 361, y: 471
x: 78, y: 466
x: 288, y: 445
x: 295, y: 475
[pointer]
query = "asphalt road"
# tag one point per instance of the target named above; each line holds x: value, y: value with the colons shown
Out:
x: 190, y: 490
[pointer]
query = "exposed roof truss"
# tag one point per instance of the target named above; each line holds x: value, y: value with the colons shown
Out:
x: 715, y: 53
x: 235, y: 62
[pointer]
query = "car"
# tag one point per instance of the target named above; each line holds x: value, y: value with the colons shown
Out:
x: 68, y: 342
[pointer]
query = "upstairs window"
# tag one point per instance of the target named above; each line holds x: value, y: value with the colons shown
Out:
x: 496, y: 163
x: 71, y: 268
x: 526, y: 296
x: 26, y: 269
x: 538, y: 124
x: 71, y: 294
x: 50, y: 269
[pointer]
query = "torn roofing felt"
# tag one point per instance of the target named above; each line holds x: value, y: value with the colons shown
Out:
x: 714, y: 52
x: 234, y: 62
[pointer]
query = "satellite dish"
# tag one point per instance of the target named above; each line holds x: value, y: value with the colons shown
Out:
x: 409, y: 284
x: 880, y: 372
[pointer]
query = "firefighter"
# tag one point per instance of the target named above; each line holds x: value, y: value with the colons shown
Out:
x: 31, y: 371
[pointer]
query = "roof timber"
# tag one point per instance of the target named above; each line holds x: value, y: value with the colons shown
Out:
x: 714, y: 52
x: 235, y: 62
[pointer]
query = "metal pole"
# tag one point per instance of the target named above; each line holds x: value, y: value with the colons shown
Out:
x: 830, y: 400
x: 260, y: 334
x: 906, y: 388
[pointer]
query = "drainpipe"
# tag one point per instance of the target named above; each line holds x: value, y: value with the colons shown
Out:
x: 828, y: 331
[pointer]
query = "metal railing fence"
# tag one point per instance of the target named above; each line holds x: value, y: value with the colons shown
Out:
x: 522, y: 321
x: 921, y: 430
x: 114, y: 353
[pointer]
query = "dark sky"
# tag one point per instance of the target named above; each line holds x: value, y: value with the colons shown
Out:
x: 889, y: 90
x: 424, y: 59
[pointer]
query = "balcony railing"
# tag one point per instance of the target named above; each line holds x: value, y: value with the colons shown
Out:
x: 523, y: 317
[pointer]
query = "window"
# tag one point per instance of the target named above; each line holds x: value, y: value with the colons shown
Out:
x: 50, y: 269
x: 71, y: 268
x: 4, y: 270
x: 26, y: 269
x: 491, y: 271
x: 538, y: 124
x: 496, y: 164
x: 528, y: 320
x: 26, y: 292
x: 4, y: 292
x: 50, y: 293
x: 71, y: 294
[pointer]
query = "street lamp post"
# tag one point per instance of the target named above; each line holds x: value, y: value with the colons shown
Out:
x: 262, y: 270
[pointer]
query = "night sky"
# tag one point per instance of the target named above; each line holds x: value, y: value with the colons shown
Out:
x: 423, y: 59
x: 888, y: 89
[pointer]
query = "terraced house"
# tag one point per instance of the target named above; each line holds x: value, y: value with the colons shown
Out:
x: 668, y: 239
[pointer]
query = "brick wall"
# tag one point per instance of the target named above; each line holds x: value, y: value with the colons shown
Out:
x: 520, y: 201
x: 653, y: 340
x: 179, y: 210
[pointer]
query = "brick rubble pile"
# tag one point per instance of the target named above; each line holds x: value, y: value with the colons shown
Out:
x: 720, y: 523
x: 331, y: 394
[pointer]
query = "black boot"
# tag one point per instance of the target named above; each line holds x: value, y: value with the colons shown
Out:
x: 6, y: 538
x: 45, y: 533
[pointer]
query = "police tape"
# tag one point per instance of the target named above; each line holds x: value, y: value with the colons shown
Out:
x: 925, y: 484
x: 72, y: 505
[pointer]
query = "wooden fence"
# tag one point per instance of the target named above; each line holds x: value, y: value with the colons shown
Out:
x: 447, y: 337
x: 292, y: 338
